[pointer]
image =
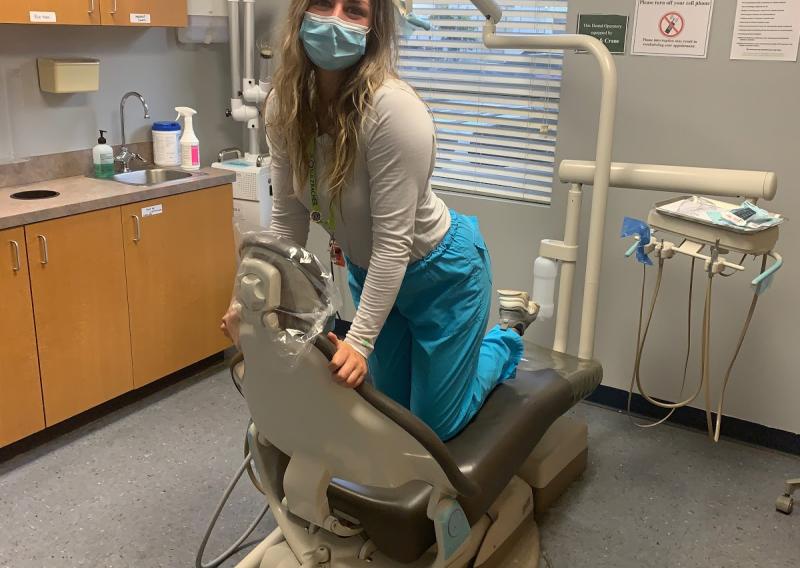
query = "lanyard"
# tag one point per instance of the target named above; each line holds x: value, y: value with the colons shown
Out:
x: 316, y: 216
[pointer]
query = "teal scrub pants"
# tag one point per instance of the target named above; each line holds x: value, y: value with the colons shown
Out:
x: 432, y: 355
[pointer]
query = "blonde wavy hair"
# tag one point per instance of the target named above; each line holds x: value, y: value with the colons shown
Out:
x: 294, y: 113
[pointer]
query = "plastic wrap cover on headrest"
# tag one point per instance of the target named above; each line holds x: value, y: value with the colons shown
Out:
x: 309, y: 299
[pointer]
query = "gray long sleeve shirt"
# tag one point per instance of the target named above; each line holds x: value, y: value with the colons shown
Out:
x: 389, y: 215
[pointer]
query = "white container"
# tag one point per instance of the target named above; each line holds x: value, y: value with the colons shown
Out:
x: 544, y: 286
x: 167, y: 144
x: 69, y: 75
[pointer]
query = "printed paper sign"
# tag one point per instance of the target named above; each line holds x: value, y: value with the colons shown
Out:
x: 677, y: 28
x: 140, y: 18
x: 610, y: 29
x: 152, y: 211
x: 43, y: 17
x: 766, y: 30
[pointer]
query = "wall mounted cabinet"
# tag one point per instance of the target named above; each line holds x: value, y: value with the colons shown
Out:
x: 152, y: 13
x: 166, y: 13
x: 67, y: 12
x: 14, y: 12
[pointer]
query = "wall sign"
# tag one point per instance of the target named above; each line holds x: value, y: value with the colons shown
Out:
x: 766, y: 31
x: 611, y: 29
x: 672, y: 28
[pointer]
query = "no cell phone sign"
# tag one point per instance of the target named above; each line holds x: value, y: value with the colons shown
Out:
x: 671, y: 24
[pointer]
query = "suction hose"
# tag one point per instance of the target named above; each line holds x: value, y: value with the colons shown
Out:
x: 640, y: 340
x: 235, y: 547
x: 714, y: 425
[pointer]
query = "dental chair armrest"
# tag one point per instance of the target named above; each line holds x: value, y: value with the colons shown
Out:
x: 413, y: 425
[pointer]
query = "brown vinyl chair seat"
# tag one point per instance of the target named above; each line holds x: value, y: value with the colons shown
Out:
x: 489, y: 452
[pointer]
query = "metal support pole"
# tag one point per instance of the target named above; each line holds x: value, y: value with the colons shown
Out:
x: 249, y: 42
x: 605, y: 138
x: 567, y: 279
x: 236, y: 67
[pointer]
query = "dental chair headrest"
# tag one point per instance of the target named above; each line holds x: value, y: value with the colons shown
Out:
x: 307, y: 288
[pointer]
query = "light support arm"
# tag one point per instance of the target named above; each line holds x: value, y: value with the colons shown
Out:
x: 234, y: 30
x: 249, y: 38
x: 253, y: 91
x: 245, y: 89
x: 490, y: 10
x: 678, y: 179
x: 605, y: 139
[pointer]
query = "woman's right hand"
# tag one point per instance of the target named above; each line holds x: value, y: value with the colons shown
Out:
x: 230, y: 323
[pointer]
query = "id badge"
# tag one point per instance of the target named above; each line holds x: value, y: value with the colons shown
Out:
x: 337, y: 256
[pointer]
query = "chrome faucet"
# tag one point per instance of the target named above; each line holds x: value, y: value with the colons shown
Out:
x: 125, y: 156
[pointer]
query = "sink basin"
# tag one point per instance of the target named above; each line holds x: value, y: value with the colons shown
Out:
x: 35, y: 194
x: 150, y: 177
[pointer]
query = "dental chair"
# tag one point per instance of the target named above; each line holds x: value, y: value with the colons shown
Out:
x: 354, y: 479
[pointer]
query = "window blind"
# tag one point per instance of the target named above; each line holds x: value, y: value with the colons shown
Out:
x: 496, y: 111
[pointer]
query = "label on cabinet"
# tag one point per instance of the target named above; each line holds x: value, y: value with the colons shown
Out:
x: 152, y: 211
x: 140, y: 18
x: 43, y: 17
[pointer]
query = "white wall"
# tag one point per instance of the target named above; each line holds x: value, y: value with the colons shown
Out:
x: 149, y: 61
x: 714, y: 113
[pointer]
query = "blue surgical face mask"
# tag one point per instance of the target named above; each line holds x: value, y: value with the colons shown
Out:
x: 331, y: 43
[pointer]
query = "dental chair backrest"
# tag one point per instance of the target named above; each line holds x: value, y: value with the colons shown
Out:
x: 294, y: 401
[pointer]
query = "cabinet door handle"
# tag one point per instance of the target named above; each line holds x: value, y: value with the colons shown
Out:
x: 16, y: 266
x: 114, y: 9
x: 137, y: 228
x: 43, y: 248
x: 91, y: 6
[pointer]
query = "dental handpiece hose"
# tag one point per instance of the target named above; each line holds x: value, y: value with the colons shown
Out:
x: 714, y: 424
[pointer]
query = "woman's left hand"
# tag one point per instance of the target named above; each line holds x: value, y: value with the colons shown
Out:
x: 348, y: 366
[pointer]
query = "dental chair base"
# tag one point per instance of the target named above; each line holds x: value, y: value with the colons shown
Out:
x: 506, y: 533
x: 559, y: 459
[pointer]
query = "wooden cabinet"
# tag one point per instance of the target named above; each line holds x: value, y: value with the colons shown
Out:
x: 167, y: 13
x: 77, y: 273
x: 13, y: 12
x: 95, y: 305
x: 70, y: 12
x: 180, y: 259
x: 21, y: 411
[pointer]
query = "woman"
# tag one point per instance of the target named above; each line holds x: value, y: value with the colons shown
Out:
x: 353, y: 148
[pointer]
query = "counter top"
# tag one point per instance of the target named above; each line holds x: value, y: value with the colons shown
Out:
x: 83, y: 194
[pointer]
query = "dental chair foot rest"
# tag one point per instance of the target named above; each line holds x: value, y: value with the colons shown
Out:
x: 559, y: 459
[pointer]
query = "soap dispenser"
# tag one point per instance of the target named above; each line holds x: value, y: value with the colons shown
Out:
x: 103, y: 158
